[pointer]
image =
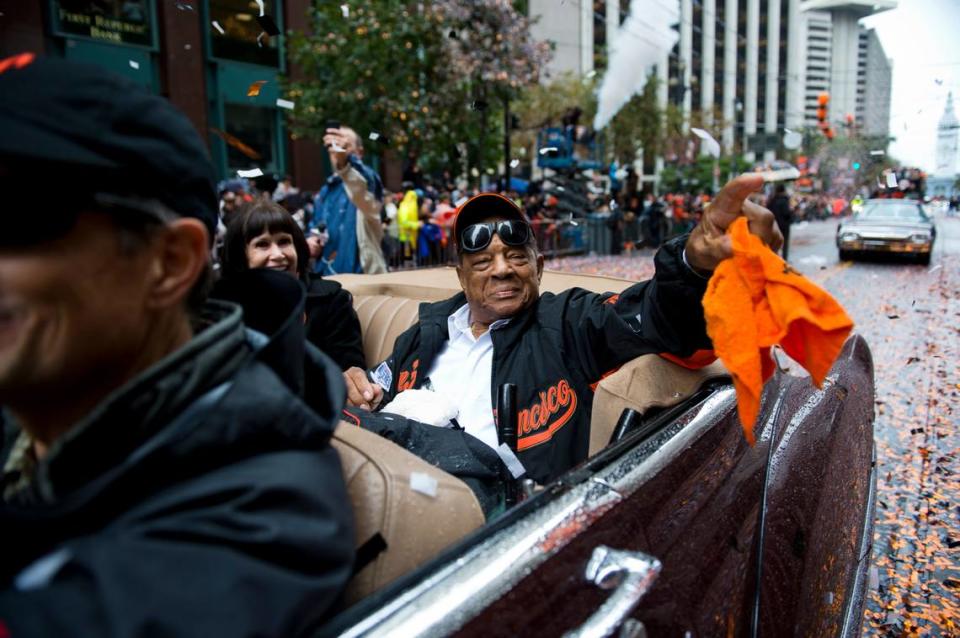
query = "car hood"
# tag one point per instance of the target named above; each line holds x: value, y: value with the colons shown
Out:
x: 886, y: 228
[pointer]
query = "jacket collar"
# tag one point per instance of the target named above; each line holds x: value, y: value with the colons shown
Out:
x: 139, y: 408
x: 433, y: 323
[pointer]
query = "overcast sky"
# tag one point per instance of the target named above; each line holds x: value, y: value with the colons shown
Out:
x: 922, y: 38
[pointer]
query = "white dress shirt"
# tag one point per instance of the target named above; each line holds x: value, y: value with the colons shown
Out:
x: 463, y: 373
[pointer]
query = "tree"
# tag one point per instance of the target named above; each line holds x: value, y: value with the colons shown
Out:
x: 835, y: 159
x: 423, y: 75
x: 542, y: 105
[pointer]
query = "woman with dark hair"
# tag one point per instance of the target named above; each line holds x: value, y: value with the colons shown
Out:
x: 264, y: 235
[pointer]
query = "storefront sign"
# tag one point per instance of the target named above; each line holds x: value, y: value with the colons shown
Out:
x: 114, y: 21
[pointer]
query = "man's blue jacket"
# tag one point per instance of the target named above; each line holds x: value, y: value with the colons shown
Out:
x: 334, y: 208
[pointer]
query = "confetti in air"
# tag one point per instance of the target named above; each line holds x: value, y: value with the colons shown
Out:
x: 780, y: 174
x: 234, y: 142
x: 345, y: 10
x: 548, y: 149
x: 374, y: 136
x: 642, y: 41
x: 708, y: 144
x: 268, y: 25
x: 792, y: 139
x: 216, y: 25
x: 514, y: 163
x: 254, y: 89
x: 285, y: 104
x: 253, y: 172
x: 134, y: 64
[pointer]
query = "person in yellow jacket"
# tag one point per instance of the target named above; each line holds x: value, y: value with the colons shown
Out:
x: 408, y: 221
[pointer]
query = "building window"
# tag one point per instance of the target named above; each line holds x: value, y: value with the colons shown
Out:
x: 257, y: 127
x: 600, y: 50
x: 244, y: 39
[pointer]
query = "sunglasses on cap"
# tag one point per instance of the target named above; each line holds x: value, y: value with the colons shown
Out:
x: 476, y: 237
x: 26, y: 230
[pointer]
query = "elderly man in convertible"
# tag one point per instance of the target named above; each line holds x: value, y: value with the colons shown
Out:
x: 500, y: 329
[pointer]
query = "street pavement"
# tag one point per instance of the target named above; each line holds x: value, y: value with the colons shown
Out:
x: 910, y: 316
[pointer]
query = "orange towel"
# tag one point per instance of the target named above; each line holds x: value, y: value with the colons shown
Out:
x: 755, y: 300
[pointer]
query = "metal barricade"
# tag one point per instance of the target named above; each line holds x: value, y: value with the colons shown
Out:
x: 556, y: 237
x: 600, y: 234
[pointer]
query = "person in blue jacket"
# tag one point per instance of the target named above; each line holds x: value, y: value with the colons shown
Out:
x: 349, y: 207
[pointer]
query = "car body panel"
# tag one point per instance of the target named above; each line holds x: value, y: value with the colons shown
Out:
x: 819, y: 511
x: 691, y: 493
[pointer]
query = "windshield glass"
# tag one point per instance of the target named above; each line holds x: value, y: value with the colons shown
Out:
x: 902, y: 212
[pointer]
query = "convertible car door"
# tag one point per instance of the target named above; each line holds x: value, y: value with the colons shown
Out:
x: 660, y: 534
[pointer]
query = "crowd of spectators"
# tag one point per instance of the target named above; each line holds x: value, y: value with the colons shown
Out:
x: 417, y: 219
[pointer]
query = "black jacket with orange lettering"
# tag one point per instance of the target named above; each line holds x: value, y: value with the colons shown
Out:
x: 556, y: 349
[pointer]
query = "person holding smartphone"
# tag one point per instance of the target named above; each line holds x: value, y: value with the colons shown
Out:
x: 349, y: 205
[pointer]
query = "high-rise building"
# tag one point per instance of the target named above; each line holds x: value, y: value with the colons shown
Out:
x: 845, y: 60
x: 750, y: 68
x: 570, y: 27
x: 718, y: 68
x: 873, y: 86
x: 854, y: 53
x: 948, y: 132
x: 817, y: 60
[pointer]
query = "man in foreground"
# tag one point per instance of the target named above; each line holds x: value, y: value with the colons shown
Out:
x: 158, y: 475
x: 553, y: 347
x: 349, y: 206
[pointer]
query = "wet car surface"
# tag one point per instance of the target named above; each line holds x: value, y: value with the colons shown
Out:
x: 676, y: 526
x: 910, y: 316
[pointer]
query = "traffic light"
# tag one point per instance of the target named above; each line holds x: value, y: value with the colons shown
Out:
x: 856, y: 166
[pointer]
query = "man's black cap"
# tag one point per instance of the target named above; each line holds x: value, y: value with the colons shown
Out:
x: 80, y: 129
x: 485, y: 206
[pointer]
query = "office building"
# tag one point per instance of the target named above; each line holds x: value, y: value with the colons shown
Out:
x: 746, y: 69
x: 845, y: 60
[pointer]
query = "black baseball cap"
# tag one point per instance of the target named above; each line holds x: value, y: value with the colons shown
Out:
x: 484, y: 206
x: 75, y: 129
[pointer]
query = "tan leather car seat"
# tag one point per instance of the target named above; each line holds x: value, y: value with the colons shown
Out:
x: 646, y: 382
x: 415, y: 525
x: 382, y: 319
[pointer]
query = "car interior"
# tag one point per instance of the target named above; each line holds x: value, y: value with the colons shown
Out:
x: 397, y: 527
